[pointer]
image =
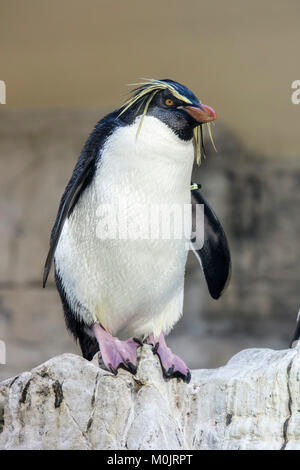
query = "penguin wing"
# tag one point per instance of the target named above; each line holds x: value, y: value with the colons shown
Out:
x: 80, y: 179
x: 214, y: 255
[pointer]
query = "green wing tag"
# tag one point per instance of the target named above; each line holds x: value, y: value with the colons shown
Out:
x: 195, y: 186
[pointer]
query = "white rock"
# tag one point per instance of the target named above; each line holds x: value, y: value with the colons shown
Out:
x: 253, y: 402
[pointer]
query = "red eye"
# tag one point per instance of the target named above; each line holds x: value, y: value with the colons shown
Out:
x: 169, y: 102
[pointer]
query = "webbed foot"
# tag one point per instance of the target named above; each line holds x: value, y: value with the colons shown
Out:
x: 172, y: 366
x: 116, y: 353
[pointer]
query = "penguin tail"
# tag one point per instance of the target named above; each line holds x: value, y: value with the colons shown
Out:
x: 89, y: 346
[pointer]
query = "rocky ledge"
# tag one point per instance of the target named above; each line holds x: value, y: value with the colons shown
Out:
x: 253, y: 402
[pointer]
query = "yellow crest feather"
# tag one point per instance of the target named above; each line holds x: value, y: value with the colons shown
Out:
x: 151, y: 86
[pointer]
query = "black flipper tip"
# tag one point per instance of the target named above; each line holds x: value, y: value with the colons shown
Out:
x: 44, y: 281
x: 47, y: 268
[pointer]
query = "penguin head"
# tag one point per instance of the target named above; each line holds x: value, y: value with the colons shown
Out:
x: 172, y: 103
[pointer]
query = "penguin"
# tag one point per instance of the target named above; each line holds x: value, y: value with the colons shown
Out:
x: 119, y: 292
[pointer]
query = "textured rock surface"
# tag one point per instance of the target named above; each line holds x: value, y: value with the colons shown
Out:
x: 68, y: 403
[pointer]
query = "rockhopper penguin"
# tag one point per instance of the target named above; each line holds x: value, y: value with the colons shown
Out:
x: 120, y: 291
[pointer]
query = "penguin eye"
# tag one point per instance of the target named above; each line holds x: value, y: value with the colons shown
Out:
x: 169, y: 102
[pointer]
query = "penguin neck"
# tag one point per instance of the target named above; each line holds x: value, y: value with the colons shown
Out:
x: 154, y: 156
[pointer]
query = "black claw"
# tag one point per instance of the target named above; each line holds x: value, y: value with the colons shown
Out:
x: 170, y: 371
x: 155, y: 348
x: 131, y: 367
x: 188, y: 377
x: 185, y: 377
x: 171, y: 374
x: 111, y: 368
x: 168, y: 374
x: 100, y: 361
x: 127, y: 365
x: 138, y: 340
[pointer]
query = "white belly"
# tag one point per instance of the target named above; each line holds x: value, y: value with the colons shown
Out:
x: 132, y: 287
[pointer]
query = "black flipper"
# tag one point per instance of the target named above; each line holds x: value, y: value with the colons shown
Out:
x: 214, y: 255
x: 296, y: 336
x: 81, y: 177
x: 71, y: 194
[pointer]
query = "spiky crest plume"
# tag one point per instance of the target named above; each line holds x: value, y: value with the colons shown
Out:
x: 145, y: 92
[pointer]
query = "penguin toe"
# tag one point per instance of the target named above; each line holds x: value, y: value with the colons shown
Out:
x: 171, y: 373
x: 131, y: 367
x: 112, y: 369
x: 172, y: 365
x: 116, y: 354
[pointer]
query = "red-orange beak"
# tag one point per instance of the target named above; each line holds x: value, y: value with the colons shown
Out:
x: 202, y: 114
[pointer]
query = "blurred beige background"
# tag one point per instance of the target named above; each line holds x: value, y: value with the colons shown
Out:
x: 65, y: 64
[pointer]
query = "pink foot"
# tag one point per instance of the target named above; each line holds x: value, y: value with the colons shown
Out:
x: 116, y: 353
x: 172, y: 365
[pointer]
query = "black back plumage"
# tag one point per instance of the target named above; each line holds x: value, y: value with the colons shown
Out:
x: 82, y: 176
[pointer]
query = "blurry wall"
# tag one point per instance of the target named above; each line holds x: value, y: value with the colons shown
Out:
x: 240, y: 56
x: 65, y: 64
